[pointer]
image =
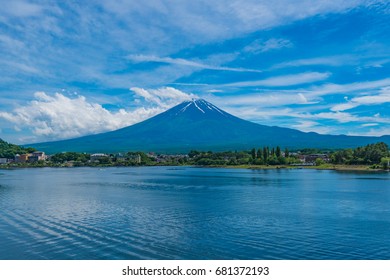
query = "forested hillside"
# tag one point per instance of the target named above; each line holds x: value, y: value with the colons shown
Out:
x: 8, y: 150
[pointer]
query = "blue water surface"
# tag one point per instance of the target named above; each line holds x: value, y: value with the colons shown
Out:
x: 193, y: 213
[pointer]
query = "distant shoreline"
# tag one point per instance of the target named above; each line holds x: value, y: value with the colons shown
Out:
x: 324, y: 167
x: 321, y: 167
x: 365, y: 168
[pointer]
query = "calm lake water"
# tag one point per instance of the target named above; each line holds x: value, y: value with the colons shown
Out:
x: 193, y: 213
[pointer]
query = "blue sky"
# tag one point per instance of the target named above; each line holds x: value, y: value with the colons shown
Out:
x: 73, y: 68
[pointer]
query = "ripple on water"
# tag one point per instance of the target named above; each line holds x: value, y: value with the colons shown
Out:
x: 195, y: 214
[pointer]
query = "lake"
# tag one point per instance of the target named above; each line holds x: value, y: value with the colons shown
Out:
x: 193, y: 213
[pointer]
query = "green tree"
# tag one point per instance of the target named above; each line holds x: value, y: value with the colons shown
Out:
x: 253, y: 153
x: 265, y: 154
x: 193, y: 153
x: 278, y: 152
x: 273, y: 160
x: 385, y: 162
x: 319, y: 161
x: 286, y: 153
x: 282, y: 160
x: 342, y: 157
x: 259, y: 153
x: 369, y: 154
x: 70, y: 156
x: 8, y: 150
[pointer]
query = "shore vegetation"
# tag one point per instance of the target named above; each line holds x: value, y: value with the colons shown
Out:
x: 370, y: 157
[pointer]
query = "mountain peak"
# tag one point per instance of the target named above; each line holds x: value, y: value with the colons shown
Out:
x: 199, y: 125
x: 198, y: 106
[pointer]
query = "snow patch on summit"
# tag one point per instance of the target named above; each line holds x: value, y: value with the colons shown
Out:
x: 185, y: 108
x: 201, y: 105
x: 198, y: 107
x: 216, y: 108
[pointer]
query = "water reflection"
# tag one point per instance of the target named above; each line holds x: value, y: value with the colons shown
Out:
x: 193, y: 213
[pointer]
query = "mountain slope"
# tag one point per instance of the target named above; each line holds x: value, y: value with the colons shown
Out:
x: 199, y: 125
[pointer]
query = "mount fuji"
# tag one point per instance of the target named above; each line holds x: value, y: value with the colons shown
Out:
x: 199, y: 125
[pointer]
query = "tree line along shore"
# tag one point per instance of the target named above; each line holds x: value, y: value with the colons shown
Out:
x: 370, y: 157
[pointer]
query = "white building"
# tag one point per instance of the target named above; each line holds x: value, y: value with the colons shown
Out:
x: 98, y: 156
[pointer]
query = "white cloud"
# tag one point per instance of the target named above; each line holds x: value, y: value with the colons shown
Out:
x: 10, y: 42
x: 323, y: 123
x: 163, y: 97
x: 383, y: 97
x: 264, y: 14
x: 272, y: 107
x: 345, y: 88
x: 343, y: 117
x: 214, y: 20
x: 281, y: 81
x: 311, y: 126
x: 338, y: 60
x: 373, y: 99
x: 185, y: 62
x: 262, y: 100
x: 59, y: 117
x: 16, y: 66
x: 362, y: 61
x: 379, y: 63
x: 343, y: 107
x: 373, y: 132
x: 21, y: 8
x: 171, y: 27
x: 260, y: 46
x: 369, y: 124
x: 256, y: 113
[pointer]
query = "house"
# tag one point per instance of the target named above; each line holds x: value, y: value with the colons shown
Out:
x: 312, y: 158
x: 22, y: 158
x: 98, y: 156
x: 37, y: 156
x: 3, y: 160
x: 120, y: 157
x: 136, y: 158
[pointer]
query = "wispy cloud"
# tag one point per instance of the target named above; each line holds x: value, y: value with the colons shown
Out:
x: 372, y: 132
x: 208, y: 47
x: 20, y: 8
x: 382, y: 98
x: 363, y: 90
x: 359, y: 61
x: 312, y: 126
x: 282, y: 81
x: 18, y: 66
x: 163, y: 97
x: 264, y: 99
x: 174, y: 25
x: 323, y: 123
x: 10, y: 43
x: 260, y: 45
x: 209, y: 21
x: 369, y: 124
x: 348, y: 88
x: 344, y: 117
x: 337, y: 60
x: 185, y: 62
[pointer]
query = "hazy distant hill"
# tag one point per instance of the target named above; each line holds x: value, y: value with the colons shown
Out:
x: 199, y: 125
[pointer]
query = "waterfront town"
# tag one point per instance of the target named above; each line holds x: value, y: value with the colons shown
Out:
x: 70, y: 159
x: 372, y: 156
